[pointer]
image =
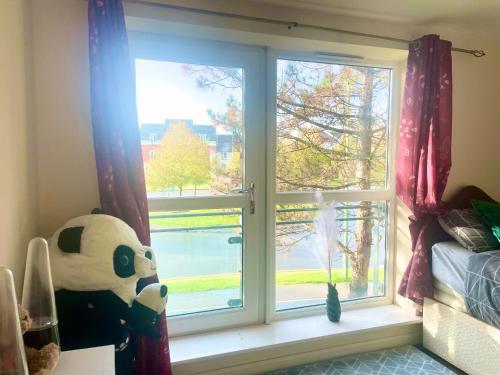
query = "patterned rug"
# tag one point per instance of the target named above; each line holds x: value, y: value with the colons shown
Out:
x: 406, y: 360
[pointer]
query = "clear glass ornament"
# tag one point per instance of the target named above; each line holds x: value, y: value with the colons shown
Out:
x: 12, y: 356
x: 42, y: 338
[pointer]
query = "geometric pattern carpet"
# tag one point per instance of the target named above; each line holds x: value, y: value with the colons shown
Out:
x: 406, y: 360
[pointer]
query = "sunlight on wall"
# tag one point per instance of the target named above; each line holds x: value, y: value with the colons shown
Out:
x: 18, y: 186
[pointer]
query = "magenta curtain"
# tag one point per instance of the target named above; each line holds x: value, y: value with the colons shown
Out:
x: 117, y: 147
x: 424, y: 153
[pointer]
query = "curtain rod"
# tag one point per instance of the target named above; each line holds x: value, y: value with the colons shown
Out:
x: 290, y: 24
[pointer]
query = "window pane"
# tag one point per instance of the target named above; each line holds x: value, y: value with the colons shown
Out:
x: 358, y: 266
x: 332, y: 123
x: 199, y: 255
x: 191, y: 127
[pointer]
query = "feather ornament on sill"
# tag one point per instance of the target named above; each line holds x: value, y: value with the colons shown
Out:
x: 326, y: 226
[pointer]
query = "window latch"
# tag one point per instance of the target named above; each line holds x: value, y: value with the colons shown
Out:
x: 251, y: 194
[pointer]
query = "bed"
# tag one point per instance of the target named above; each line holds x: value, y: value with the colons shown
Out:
x: 449, y: 269
x: 450, y: 330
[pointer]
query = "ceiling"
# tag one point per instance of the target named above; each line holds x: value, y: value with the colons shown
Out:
x: 470, y: 15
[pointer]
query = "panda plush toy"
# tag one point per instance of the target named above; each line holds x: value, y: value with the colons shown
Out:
x: 97, y: 261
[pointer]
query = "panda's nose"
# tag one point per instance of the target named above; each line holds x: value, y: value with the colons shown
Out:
x: 144, y: 267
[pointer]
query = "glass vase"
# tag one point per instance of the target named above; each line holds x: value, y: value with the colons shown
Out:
x: 42, y: 338
x: 12, y: 356
x: 333, y: 309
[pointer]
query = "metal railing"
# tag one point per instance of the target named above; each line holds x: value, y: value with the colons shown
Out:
x: 379, y: 215
x: 194, y: 214
x: 348, y: 214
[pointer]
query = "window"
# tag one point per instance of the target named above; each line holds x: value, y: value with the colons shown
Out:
x: 332, y: 123
x: 204, y: 249
x: 358, y: 268
x: 206, y: 103
x: 233, y: 179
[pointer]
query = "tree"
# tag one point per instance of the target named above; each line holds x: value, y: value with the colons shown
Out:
x: 331, y: 135
x: 231, y: 120
x: 229, y: 81
x: 182, y: 160
x: 333, y: 120
x: 233, y: 168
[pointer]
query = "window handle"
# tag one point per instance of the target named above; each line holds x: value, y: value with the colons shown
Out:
x: 251, y: 193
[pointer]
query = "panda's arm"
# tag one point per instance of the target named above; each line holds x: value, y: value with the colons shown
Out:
x: 108, y: 301
x: 146, y: 310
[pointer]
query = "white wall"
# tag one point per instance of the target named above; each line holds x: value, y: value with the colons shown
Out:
x: 18, y: 214
x: 66, y: 166
x: 67, y: 181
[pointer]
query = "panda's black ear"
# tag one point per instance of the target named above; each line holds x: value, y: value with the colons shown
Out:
x: 69, y: 239
x: 97, y: 211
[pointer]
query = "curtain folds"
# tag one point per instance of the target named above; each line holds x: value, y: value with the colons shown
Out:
x: 117, y: 147
x: 424, y: 153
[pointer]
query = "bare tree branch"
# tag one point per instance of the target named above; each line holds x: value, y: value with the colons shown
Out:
x: 314, y: 186
x: 319, y: 109
x: 319, y: 125
x: 345, y: 249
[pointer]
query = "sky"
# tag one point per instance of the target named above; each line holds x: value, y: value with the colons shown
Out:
x: 166, y: 91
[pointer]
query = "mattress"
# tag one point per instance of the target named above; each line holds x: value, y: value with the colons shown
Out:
x: 448, y: 296
x: 449, y: 265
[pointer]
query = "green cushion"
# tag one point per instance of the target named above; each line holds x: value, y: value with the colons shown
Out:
x: 490, y: 215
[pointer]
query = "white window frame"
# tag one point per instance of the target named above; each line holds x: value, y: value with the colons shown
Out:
x: 252, y: 60
x: 262, y: 267
x: 273, y: 198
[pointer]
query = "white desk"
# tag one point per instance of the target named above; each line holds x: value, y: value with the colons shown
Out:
x: 95, y: 361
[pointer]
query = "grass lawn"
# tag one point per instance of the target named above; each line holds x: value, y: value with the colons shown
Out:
x: 193, y: 221
x: 232, y: 281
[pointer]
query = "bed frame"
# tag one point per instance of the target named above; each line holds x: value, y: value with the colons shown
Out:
x: 466, y: 342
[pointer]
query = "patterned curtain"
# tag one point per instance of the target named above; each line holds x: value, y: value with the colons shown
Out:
x: 117, y: 148
x: 424, y: 153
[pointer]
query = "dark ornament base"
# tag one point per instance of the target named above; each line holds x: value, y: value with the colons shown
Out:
x: 333, y: 310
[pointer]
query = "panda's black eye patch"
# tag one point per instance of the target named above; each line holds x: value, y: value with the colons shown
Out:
x: 69, y: 239
x: 149, y: 255
x: 123, y: 261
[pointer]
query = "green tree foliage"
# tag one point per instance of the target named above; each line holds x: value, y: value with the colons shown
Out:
x: 231, y: 120
x: 230, y: 81
x: 332, y: 126
x: 182, y: 160
x: 323, y: 115
x: 332, y: 131
x: 233, y: 167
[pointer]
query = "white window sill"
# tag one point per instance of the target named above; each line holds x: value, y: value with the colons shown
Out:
x: 259, y: 348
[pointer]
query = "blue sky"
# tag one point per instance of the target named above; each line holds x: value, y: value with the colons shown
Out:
x: 165, y: 90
